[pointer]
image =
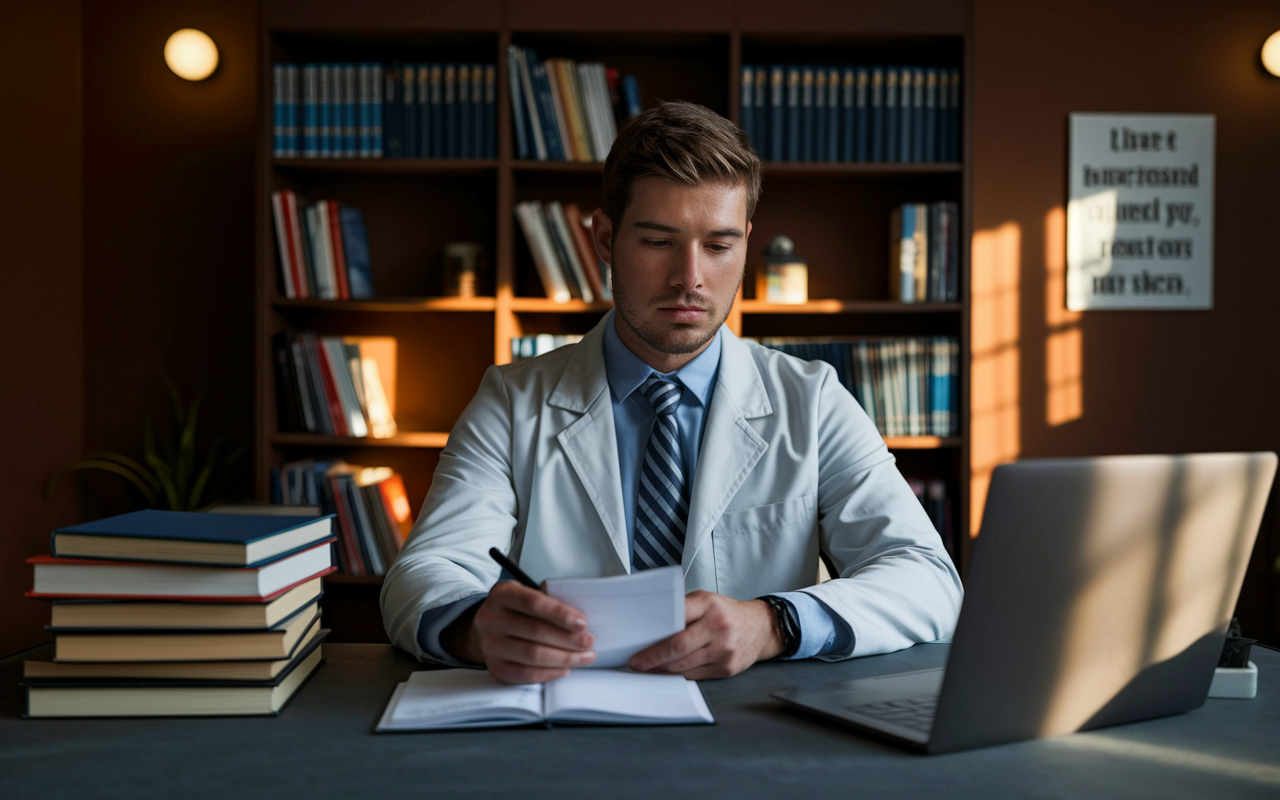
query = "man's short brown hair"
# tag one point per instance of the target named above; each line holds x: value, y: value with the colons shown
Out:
x: 684, y: 143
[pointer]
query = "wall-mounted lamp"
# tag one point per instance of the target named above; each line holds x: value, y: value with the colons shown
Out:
x: 1271, y: 54
x: 191, y: 54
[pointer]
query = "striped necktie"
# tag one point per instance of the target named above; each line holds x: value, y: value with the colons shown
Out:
x: 662, y: 506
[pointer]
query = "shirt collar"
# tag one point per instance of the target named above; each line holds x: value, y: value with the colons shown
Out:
x: 626, y: 371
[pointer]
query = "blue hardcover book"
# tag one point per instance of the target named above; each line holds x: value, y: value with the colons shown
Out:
x: 466, y: 139
x: 909, y: 121
x: 877, y: 149
x: 422, y: 108
x: 777, y: 114
x: 861, y: 114
x: 191, y: 537
x: 293, y: 146
x: 449, y: 105
x: 631, y: 96
x: 375, y: 110
x: 546, y: 109
x: 807, y: 127
x: 848, y: 114
x: 355, y: 248
x: 762, y: 111
x: 952, y: 216
x: 954, y: 116
x: 277, y: 110
x: 917, y: 115
x: 479, y: 144
x: 391, y: 111
x: 818, y: 137
x: 930, y: 134
x: 519, y: 120
x: 892, y: 121
x: 409, y: 111
x: 364, y: 112
x: 749, y: 104
x: 794, y: 151
x: 833, y: 114
x: 435, y: 116
x: 310, y: 112
x: 324, y: 107
x: 345, y: 75
x: 942, y: 126
x: 338, y: 116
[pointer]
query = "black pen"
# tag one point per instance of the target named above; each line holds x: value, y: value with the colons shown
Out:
x: 512, y: 570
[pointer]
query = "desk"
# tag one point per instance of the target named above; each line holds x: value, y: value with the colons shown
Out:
x: 322, y: 747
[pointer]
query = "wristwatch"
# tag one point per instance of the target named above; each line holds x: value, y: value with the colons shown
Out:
x: 788, y: 625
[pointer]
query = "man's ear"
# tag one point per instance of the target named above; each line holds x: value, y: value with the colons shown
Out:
x: 602, y: 236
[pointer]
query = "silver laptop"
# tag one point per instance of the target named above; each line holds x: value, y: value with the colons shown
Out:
x: 1100, y: 593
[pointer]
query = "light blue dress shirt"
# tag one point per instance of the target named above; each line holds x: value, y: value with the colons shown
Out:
x: 821, y: 631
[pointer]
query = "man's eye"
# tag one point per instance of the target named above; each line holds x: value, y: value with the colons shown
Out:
x: 719, y: 248
x: 657, y: 242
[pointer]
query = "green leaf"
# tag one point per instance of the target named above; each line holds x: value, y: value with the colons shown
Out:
x: 107, y: 466
x: 165, y: 474
x: 187, y: 449
x: 125, y: 461
x: 197, y: 489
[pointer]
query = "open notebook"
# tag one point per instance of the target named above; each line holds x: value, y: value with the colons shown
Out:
x: 461, y: 698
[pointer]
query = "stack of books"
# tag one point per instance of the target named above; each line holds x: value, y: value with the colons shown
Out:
x: 540, y: 344
x: 924, y: 253
x: 170, y: 613
x: 335, y: 385
x: 370, y: 505
x: 559, y: 239
x: 323, y: 249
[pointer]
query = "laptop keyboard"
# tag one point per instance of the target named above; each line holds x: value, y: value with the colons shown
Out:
x: 914, y: 713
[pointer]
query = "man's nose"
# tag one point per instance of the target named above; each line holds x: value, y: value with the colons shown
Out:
x: 687, y: 271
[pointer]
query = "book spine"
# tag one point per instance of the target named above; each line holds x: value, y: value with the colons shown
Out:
x: 631, y: 92
x: 892, y: 119
x: 834, y: 116
x: 518, y: 121
x: 907, y: 261
x: 364, y: 141
x: 463, y: 112
x: 529, y: 215
x: 283, y: 245
x: 478, y: 143
x: 297, y: 245
x: 953, y: 112
x: 539, y: 142
x: 319, y: 390
x: 302, y: 385
x: 288, y: 417
x: 332, y: 400
x: 278, y: 102
x: 794, y: 152
x: 762, y: 111
x: 491, y: 110
x: 364, y: 527
x: 336, y: 248
x: 560, y: 112
x: 777, y: 114
x: 748, y: 104
x: 920, y: 274
x: 849, y: 114
x: 818, y: 138
x: 917, y: 116
x: 930, y: 153
x: 352, y: 99
x: 390, y: 111
x: 409, y: 111
x: 876, y: 122
x: 449, y: 111
x: 567, y: 250
x: 422, y: 109
x: 376, y: 130
x: 293, y: 131
x: 310, y: 114
x: 435, y: 117
x: 353, y: 563
x: 806, y: 114
x: 556, y: 150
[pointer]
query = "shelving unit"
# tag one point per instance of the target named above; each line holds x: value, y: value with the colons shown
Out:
x: 837, y: 213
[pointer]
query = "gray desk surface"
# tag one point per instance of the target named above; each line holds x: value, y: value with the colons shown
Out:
x: 321, y: 746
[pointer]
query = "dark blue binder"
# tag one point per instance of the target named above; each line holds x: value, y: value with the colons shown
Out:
x: 833, y: 114
x: 793, y: 114
x: 777, y: 114
x: 806, y: 114
x: 892, y: 118
x: 848, y: 115
x: 876, y: 121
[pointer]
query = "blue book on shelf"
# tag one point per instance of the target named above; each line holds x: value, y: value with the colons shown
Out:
x: 892, y: 122
x: 375, y: 110
x: 491, y: 110
x: 192, y: 537
x: 748, y: 90
x: 324, y: 109
x: 479, y: 106
x: 409, y: 110
x: 422, y: 109
x: 794, y: 151
x: 355, y: 248
x: 953, y: 118
x: 277, y: 110
x: 944, y: 115
x: 807, y: 110
x: 338, y: 117
x: 917, y: 115
x: 631, y: 96
x: 293, y: 110
x: 833, y: 114
x: 876, y: 126
x: 546, y: 108
x: 861, y: 115
x: 364, y: 112
x: 906, y: 115
x: 519, y: 119
x: 930, y: 135
x: 350, y: 111
x: 449, y: 107
x: 848, y: 114
x: 777, y: 114
x: 435, y: 114
x: 761, y: 135
x: 466, y: 138
x: 391, y: 110
x: 310, y: 113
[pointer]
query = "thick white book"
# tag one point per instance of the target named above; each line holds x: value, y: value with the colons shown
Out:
x: 460, y: 698
x: 529, y: 213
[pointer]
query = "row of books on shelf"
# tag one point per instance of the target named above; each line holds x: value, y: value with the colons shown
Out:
x: 373, y: 110
x: 924, y: 253
x: 565, y: 111
x: 369, y: 504
x: 540, y: 344
x: 850, y: 114
x: 909, y: 386
x: 160, y: 613
x: 934, y: 494
x: 559, y: 239
x: 323, y: 248
x: 334, y: 385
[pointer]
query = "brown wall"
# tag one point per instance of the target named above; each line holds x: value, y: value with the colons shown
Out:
x: 1171, y: 381
x: 40, y: 308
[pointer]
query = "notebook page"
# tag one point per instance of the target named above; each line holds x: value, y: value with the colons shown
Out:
x: 460, y: 698
x: 622, y: 696
x: 626, y: 613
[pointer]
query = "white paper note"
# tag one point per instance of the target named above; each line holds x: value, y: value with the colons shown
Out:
x: 626, y: 613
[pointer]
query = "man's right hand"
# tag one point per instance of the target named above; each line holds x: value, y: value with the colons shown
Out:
x: 521, y: 635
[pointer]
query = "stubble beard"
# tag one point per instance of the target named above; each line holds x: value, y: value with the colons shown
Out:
x: 665, y: 341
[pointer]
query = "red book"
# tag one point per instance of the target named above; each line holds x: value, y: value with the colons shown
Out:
x: 396, y: 502
x: 141, y: 580
x: 297, y: 263
x: 339, y: 256
x: 340, y: 427
x: 346, y: 530
x: 586, y: 253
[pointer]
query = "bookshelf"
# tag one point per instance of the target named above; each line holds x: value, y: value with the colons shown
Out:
x: 837, y: 213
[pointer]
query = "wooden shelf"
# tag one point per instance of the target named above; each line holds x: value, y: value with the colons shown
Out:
x: 411, y: 304
x: 423, y: 439
x: 848, y: 307
x: 547, y: 306
x: 922, y: 442
x: 840, y: 169
x: 389, y: 166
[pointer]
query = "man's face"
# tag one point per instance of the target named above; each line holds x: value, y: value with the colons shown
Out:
x: 677, y: 256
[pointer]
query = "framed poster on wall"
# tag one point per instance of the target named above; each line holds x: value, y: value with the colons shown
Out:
x: 1140, y: 212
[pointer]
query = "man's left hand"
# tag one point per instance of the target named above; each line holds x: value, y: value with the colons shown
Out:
x: 722, y: 637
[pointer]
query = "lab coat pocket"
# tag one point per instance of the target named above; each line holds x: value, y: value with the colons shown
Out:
x: 769, y: 548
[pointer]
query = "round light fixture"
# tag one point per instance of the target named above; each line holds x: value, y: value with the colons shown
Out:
x: 1271, y: 54
x: 191, y: 54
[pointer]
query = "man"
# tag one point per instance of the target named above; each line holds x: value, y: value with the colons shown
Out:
x: 662, y: 439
